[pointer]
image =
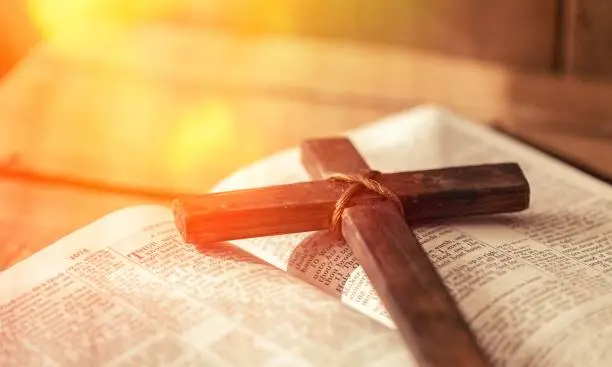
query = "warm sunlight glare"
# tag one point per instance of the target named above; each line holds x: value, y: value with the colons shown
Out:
x: 69, y: 22
x: 205, y: 135
x: 277, y: 16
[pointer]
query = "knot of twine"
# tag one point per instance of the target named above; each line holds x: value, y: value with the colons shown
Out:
x: 358, y: 182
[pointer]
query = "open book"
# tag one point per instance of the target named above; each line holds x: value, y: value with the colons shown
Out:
x: 536, y: 286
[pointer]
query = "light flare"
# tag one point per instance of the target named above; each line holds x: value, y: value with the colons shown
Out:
x: 72, y: 23
x: 206, y: 135
x: 278, y: 18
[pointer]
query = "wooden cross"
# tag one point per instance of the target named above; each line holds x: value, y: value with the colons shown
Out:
x: 426, y: 315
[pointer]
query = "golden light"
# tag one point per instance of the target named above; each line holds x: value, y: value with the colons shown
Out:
x: 277, y: 16
x: 69, y: 23
x: 205, y: 135
x: 67, y: 19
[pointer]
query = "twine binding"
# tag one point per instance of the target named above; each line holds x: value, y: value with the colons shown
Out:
x: 357, y: 183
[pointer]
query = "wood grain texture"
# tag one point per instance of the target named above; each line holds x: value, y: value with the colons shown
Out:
x: 411, y: 290
x: 324, y: 157
x: 588, y: 39
x: 398, y: 268
x: 300, y: 207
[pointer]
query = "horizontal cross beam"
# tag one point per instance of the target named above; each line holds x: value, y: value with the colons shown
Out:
x: 308, y: 206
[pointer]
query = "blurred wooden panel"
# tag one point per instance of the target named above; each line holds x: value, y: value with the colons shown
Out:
x: 591, y: 154
x: 177, y: 109
x: 355, y: 74
x: 516, y: 33
x: 588, y: 38
x: 117, y: 122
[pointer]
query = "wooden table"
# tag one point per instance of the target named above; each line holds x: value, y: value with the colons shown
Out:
x: 137, y: 115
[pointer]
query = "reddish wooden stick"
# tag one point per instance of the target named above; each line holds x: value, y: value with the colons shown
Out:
x: 307, y: 206
x: 423, y: 310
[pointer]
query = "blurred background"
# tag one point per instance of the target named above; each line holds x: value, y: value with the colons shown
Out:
x: 560, y: 36
x: 524, y: 34
x: 105, y: 103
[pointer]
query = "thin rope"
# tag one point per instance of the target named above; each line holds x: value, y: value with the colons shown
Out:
x: 358, y: 182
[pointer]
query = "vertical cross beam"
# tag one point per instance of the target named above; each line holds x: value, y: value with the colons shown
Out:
x: 425, y: 314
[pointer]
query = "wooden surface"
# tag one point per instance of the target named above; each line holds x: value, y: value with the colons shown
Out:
x: 407, y: 283
x: 33, y: 215
x: 588, y: 39
x: 158, y: 109
x: 592, y: 154
x: 307, y: 206
x: 468, y: 28
x: 153, y: 81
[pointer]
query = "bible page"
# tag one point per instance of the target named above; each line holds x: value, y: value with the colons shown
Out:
x: 535, y: 286
x: 126, y: 291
